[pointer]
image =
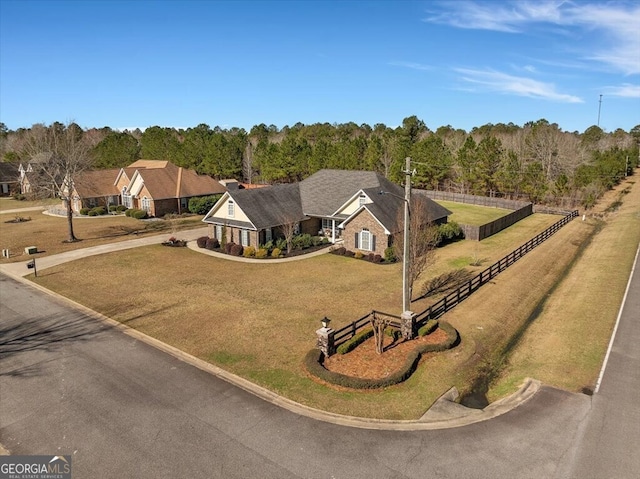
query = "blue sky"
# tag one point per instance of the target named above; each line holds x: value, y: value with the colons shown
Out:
x: 127, y: 64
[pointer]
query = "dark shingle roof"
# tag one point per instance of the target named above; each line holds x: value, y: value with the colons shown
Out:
x: 327, y: 190
x: 272, y: 206
x: 9, y: 172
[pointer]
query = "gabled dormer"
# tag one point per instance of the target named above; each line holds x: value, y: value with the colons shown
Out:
x: 353, y: 204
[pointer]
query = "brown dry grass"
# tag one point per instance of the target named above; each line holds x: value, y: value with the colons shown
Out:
x: 49, y: 233
x: 566, y: 344
x: 258, y: 321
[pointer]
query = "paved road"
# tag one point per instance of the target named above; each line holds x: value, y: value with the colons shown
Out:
x: 70, y: 384
x: 610, y: 437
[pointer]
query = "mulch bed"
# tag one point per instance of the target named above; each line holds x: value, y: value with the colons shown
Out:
x: 364, y: 362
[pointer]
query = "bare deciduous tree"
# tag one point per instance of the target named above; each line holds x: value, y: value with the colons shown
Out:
x: 423, y: 238
x: 64, y: 154
x: 379, y: 324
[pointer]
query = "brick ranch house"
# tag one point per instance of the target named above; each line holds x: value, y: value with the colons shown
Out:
x: 158, y: 187
x: 343, y: 206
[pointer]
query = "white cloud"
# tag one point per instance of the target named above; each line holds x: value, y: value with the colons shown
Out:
x: 491, y: 80
x: 625, y: 90
x: 612, y: 28
x: 413, y: 66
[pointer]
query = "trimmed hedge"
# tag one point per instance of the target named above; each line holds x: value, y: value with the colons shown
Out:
x: 429, y: 327
x: 352, y: 343
x: 314, y: 361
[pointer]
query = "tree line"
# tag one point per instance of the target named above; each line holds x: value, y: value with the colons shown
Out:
x: 536, y: 161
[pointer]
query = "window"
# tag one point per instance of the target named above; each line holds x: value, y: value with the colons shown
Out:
x: 362, y: 199
x: 146, y: 204
x: 365, y: 240
x: 327, y: 224
x: 126, y: 197
x: 268, y: 235
x: 231, y: 209
x: 244, y: 237
x: 218, y: 232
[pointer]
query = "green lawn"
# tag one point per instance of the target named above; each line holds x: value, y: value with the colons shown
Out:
x: 474, y: 215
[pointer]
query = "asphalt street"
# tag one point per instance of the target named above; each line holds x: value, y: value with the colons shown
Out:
x: 71, y: 384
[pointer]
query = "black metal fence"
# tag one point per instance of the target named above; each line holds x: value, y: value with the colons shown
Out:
x: 454, y: 298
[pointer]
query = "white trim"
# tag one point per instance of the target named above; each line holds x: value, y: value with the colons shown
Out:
x: 361, y: 236
x: 615, y: 328
x: 351, y: 200
x: 355, y: 213
x: 216, y: 207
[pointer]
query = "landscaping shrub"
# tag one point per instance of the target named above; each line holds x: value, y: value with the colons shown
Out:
x: 19, y: 197
x: 390, y: 255
x: 302, y: 241
x: 93, y: 213
x: 202, y: 204
x: 262, y: 253
x: 113, y: 208
x: 429, y: 327
x: 340, y: 251
x: 349, y: 253
x: 314, y: 361
x: 449, y: 232
x: 127, y: 212
x: 121, y: 208
x: 249, y: 252
x: 212, y: 243
x: 139, y: 214
x: 377, y: 258
x: 352, y: 343
x: 100, y: 210
x: 370, y: 257
x: 316, y: 240
x: 281, y: 244
x: 276, y: 252
x: 359, y: 255
x: 236, y: 250
x: 202, y: 241
x: 84, y: 211
x: 228, y: 246
x: 325, y: 240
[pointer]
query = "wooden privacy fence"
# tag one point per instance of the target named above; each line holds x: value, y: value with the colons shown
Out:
x: 478, y: 233
x: 492, y: 202
x: 463, y: 292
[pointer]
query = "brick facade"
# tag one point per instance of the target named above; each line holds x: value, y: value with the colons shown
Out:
x: 360, y: 222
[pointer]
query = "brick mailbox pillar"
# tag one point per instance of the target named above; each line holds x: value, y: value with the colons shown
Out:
x: 408, y: 325
x: 325, y: 341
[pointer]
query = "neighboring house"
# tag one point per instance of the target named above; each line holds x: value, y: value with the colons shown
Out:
x: 159, y: 187
x: 95, y: 188
x: 9, y: 179
x: 32, y: 176
x: 361, y: 208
